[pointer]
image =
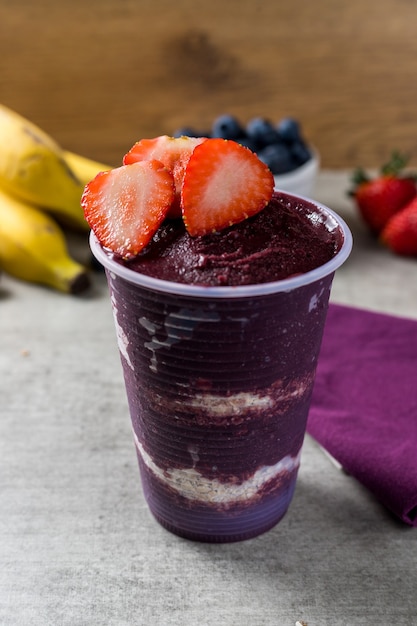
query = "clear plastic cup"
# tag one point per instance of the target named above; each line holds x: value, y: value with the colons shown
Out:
x: 219, y: 381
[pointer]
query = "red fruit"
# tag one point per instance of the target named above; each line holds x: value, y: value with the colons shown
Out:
x: 126, y: 205
x: 380, y: 198
x: 400, y: 233
x: 224, y: 183
x: 173, y: 152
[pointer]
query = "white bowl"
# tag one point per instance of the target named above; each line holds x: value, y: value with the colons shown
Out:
x: 302, y: 180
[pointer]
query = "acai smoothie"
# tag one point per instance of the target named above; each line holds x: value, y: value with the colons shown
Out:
x: 219, y: 335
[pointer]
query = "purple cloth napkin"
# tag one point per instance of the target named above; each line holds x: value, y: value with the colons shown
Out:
x: 364, y: 407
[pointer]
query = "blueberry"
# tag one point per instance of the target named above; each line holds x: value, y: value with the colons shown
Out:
x: 188, y: 131
x: 289, y: 129
x: 248, y: 143
x: 278, y: 158
x: 227, y: 127
x: 262, y: 132
x: 300, y: 152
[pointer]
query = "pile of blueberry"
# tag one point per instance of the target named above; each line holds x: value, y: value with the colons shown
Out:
x: 281, y: 147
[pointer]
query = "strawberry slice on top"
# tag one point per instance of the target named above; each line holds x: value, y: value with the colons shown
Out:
x: 126, y: 205
x: 224, y: 183
x: 173, y: 152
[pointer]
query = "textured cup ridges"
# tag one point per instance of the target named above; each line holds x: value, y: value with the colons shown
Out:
x: 219, y: 383
x: 218, y: 394
x: 205, y: 524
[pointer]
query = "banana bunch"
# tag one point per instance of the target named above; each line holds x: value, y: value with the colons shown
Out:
x: 33, y: 248
x: 40, y: 191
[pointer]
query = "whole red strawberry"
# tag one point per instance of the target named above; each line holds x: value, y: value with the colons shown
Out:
x: 379, y: 198
x: 400, y: 233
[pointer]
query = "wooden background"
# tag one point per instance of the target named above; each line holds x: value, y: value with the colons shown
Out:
x: 100, y: 74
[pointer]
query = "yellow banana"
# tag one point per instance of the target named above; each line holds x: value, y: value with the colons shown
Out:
x: 33, y: 248
x: 33, y: 168
x: 84, y: 168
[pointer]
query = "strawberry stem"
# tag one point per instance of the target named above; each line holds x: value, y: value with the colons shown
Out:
x: 394, y: 166
x: 359, y: 177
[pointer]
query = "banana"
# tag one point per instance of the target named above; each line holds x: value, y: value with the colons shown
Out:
x: 33, y: 168
x: 33, y: 248
x: 84, y: 168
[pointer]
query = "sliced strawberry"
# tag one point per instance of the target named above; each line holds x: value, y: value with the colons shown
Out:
x: 126, y: 205
x: 173, y: 152
x: 224, y: 183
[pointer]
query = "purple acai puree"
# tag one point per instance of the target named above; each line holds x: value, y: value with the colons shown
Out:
x: 219, y: 388
x: 288, y: 237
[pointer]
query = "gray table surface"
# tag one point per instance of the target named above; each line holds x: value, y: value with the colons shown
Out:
x: 77, y: 543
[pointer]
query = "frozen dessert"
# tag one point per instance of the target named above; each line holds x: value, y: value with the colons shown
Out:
x: 219, y: 331
x: 286, y: 238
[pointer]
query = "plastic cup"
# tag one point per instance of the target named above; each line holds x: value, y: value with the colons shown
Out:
x: 219, y: 381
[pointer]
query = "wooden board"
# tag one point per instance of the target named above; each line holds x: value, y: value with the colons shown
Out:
x: 99, y: 75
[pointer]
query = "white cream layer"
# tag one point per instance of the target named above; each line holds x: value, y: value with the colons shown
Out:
x: 194, y: 486
x: 218, y: 406
x: 222, y: 406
